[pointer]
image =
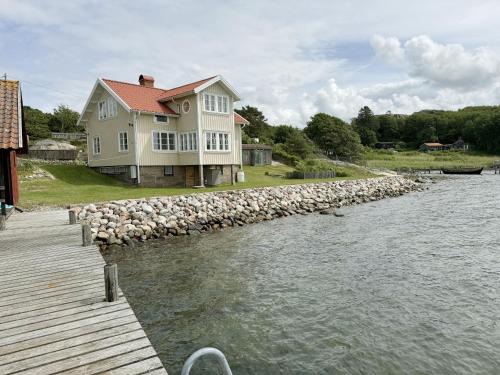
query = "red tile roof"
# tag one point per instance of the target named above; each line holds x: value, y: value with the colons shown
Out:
x: 140, y: 98
x: 238, y: 119
x: 184, y: 88
x: 9, y: 115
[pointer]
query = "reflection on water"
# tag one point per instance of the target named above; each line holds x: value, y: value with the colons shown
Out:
x: 406, y: 285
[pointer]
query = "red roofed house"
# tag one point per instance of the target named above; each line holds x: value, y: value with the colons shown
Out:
x: 13, y: 139
x: 184, y: 136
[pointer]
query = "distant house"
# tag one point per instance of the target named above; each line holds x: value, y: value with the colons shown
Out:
x: 13, y: 139
x: 257, y: 154
x: 426, y: 147
x: 184, y: 136
x: 385, y: 145
x: 459, y: 144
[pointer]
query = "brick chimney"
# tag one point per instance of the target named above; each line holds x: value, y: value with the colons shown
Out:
x: 146, y: 81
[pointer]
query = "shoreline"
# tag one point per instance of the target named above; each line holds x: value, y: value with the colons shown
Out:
x: 125, y: 222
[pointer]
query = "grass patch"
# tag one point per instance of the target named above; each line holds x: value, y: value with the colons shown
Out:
x: 75, y: 184
x: 421, y: 160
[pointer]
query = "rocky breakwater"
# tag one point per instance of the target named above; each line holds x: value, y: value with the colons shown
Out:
x: 122, y: 222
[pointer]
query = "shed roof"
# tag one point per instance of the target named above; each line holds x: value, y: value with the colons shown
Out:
x: 239, y: 119
x: 11, y: 136
x: 433, y: 144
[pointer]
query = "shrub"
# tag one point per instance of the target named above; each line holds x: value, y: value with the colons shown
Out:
x: 282, y: 156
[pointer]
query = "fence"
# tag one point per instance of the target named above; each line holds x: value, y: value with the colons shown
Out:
x: 317, y: 174
x: 53, y: 154
x: 69, y: 136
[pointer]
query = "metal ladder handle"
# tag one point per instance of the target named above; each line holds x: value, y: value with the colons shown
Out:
x: 206, y: 351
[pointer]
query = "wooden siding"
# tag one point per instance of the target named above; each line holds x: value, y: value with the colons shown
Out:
x: 108, y: 131
x: 219, y: 122
x: 148, y: 157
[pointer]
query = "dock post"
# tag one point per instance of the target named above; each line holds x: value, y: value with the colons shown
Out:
x: 86, y: 235
x: 3, y: 216
x: 72, y: 217
x: 111, y: 282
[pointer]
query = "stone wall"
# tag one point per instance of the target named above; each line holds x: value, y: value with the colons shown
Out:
x: 121, y: 222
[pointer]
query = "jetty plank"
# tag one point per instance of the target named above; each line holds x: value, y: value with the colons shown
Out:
x: 53, y: 314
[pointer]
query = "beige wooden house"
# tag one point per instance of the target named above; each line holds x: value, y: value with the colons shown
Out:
x: 184, y: 136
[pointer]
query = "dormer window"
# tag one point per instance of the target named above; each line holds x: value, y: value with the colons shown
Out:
x: 161, y: 119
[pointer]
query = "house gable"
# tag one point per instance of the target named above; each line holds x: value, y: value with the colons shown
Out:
x: 91, y: 105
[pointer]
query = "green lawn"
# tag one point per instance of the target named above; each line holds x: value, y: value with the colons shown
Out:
x: 422, y: 160
x: 79, y: 184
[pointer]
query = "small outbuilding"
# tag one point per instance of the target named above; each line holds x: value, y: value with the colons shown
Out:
x: 426, y: 147
x: 257, y: 154
x: 13, y: 139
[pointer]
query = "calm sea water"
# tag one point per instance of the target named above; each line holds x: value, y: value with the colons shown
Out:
x: 406, y: 285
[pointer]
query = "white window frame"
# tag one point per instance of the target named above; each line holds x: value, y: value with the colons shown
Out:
x: 124, y: 149
x: 169, y: 132
x: 221, y: 140
x: 216, y: 103
x: 107, y: 108
x: 98, y: 138
x: 161, y: 122
x: 188, y: 142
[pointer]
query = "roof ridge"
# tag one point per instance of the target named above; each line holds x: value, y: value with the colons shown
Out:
x: 191, y: 83
x: 157, y: 88
x: 133, y: 84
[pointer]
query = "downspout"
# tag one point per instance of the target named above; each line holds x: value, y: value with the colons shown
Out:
x: 200, y: 140
x: 241, y: 146
x: 136, y: 151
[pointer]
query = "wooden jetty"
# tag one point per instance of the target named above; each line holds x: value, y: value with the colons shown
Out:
x: 53, y: 314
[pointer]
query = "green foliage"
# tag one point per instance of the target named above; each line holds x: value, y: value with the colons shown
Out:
x: 317, y: 165
x: 258, y: 127
x: 64, y: 120
x: 367, y: 125
x: 298, y: 144
x: 281, y: 155
x: 333, y: 136
x: 37, y: 123
x: 40, y: 125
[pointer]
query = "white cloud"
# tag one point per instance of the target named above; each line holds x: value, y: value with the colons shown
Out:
x: 388, y: 49
x: 265, y: 49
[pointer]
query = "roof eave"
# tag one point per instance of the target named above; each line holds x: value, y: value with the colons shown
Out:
x: 216, y: 79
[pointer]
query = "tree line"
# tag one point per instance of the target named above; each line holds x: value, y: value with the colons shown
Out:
x: 40, y: 124
x: 478, y: 126
x: 330, y: 135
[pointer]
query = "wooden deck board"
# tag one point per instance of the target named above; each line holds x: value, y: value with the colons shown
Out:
x: 53, y: 318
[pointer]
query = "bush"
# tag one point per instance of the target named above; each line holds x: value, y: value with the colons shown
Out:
x: 282, y: 156
x: 314, y: 165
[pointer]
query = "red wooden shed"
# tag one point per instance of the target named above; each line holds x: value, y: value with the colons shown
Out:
x: 13, y: 139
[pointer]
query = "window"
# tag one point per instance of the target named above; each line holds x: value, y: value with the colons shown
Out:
x: 123, y: 141
x: 217, y: 141
x: 168, y: 170
x: 186, y: 106
x: 163, y: 141
x: 187, y: 142
x: 216, y: 103
x: 160, y: 119
x: 96, y: 146
x: 108, y: 108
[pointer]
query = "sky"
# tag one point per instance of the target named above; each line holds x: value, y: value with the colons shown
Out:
x: 291, y: 59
